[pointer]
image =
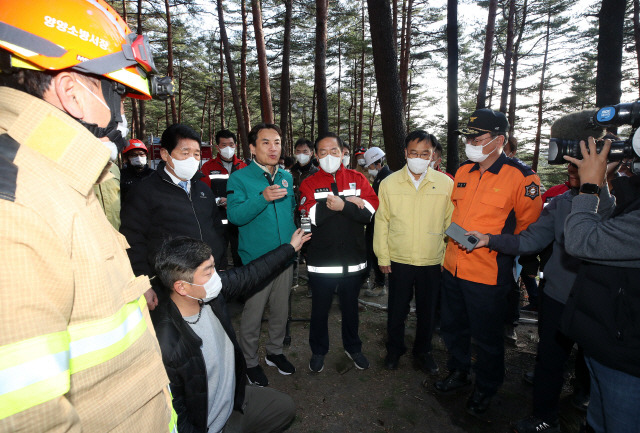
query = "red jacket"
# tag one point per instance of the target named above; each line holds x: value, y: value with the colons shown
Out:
x: 337, y: 246
x: 215, y: 171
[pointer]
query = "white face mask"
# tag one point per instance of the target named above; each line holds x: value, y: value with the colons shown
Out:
x: 432, y: 164
x: 211, y: 287
x: 418, y: 165
x: 361, y: 162
x: 303, y: 158
x: 138, y: 161
x: 474, y: 153
x: 346, y: 160
x: 113, y: 149
x: 123, y: 127
x: 330, y: 163
x: 373, y: 173
x: 228, y: 152
x: 186, y: 168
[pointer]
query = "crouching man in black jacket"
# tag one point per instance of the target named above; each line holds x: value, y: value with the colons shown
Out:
x: 199, y: 348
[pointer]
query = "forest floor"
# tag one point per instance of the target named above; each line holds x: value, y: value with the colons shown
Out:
x: 343, y: 399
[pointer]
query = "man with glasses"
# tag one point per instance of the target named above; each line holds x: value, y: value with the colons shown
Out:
x: 492, y: 194
x: 415, y: 210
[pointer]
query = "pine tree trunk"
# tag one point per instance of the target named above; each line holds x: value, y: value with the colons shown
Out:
x: 179, y: 107
x: 237, y: 108
x: 320, y: 66
x: 488, y: 49
x: 514, y: 70
x: 141, y: 103
x: 609, y: 69
x: 636, y: 32
x: 406, y: 52
x: 243, y: 83
x: 284, y: 76
x: 265, y: 90
x: 362, y: 62
x: 385, y: 61
x: 313, y: 113
x: 339, y: 84
x: 536, y: 150
x: 508, y: 54
x: 221, y: 89
x: 174, y: 113
x: 453, y: 159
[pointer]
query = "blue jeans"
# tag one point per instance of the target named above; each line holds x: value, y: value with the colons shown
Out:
x: 615, y: 400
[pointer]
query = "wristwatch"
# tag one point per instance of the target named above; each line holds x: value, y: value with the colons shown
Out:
x: 589, y: 188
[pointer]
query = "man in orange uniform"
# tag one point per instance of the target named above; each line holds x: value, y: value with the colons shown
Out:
x: 492, y: 194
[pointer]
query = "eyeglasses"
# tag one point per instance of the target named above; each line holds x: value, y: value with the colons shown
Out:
x: 423, y: 155
x: 477, y: 141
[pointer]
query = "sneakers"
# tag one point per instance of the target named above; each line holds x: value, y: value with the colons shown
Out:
x: 284, y: 366
x: 316, y: 363
x: 478, y: 402
x: 359, y: 360
x: 534, y: 424
x: 375, y: 292
x: 257, y: 377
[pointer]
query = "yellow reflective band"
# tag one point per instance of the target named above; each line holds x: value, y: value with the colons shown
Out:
x: 96, y: 342
x: 33, y: 371
x: 173, y: 423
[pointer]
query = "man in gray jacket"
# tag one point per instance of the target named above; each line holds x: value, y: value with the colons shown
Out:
x: 554, y: 347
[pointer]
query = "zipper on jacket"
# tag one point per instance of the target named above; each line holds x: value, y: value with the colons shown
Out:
x: 190, y: 201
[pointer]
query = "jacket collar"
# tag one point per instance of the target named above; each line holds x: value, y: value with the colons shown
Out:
x: 72, y: 150
x: 495, y: 167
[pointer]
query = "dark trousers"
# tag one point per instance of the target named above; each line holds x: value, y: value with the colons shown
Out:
x: 513, y: 304
x: 231, y: 236
x: 554, y: 350
x: 473, y: 310
x: 372, y: 260
x: 405, y: 281
x: 322, y: 290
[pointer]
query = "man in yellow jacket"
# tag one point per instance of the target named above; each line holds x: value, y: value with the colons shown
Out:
x: 77, y: 348
x: 415, y: 210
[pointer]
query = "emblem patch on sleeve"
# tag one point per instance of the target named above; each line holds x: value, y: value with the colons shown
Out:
x: 304, y: 199
x: 532, y: 191
x: 285, y: 183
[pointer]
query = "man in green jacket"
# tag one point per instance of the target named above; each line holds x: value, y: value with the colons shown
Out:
x: 260, y: 201
x: 415, y: 209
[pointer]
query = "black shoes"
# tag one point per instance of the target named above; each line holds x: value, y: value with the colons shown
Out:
x: 534, y: 424
x: 478, y: 402
x: 257, y: 377
x: 391, y: 361
x: 426, y: 363
x: 284, y: 366
x: 457, y: 379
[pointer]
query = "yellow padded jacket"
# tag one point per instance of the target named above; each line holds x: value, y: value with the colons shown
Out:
x: 410, y: 223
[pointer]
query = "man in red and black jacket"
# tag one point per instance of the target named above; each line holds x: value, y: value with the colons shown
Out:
x: 216, y: 173
x: 339, y: 202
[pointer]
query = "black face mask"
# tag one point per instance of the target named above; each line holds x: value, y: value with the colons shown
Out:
x: 110, y: 92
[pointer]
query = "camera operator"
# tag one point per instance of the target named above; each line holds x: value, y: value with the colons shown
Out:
x: 603, y: 308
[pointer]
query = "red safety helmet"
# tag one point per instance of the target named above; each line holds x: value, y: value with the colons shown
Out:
x: 134, y: 143
x: 360, y: 151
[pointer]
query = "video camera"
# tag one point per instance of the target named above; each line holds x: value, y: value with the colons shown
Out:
x: 613, y: 115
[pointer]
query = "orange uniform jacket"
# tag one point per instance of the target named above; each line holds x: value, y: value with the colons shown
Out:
x: 503, y: 199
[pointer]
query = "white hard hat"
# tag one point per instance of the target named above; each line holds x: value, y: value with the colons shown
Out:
x: 372, y: 155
